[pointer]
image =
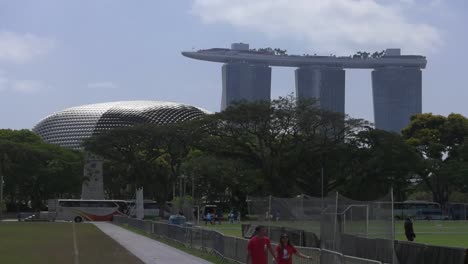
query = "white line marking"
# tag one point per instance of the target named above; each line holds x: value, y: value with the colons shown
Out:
x: 75, y: 246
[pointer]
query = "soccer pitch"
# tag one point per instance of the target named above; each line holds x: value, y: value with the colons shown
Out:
x: 39, y: 243
x: 441, y: 233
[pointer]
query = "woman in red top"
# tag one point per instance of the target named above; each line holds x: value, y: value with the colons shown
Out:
x: 285, y: 250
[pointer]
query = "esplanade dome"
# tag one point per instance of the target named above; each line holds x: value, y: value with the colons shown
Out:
x: 68, y: 128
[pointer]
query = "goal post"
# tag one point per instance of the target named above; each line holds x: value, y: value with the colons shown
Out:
x: 362, y: 213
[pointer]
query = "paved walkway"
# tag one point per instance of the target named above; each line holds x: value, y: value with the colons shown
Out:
x: 148, y: 250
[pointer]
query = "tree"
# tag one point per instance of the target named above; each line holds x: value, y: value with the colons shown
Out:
x: 259, y: 134
x: 320, y: 143
x: 378, y: 160
x: 286, y: 141
x: 36, y: 171
x: 440, y: 141
x: 215, y: 178
x: 146, y: 155
x: 133, y: 158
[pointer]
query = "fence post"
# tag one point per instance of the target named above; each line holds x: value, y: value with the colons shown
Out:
x: 269, y: 213
x: 393, y: 227
x: 201, y: 238
x: 301, y: 243
x: 336, y: 218
x: 235, y: 249
x: 191, y: 235
x: 464, y: 206
x: 367, y: 220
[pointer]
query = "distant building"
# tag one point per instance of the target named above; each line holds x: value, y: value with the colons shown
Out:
x: 396, y: 79
x: 68, y: 128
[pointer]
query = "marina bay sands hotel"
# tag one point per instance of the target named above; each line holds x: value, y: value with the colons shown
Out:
x: 396, y: 79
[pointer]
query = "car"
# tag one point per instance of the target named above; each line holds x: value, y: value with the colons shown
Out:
x: 177, y: 220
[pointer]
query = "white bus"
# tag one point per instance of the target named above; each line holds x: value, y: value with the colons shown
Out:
x: 419, y: 210
x: 88, y: 210
x: 150, y: 208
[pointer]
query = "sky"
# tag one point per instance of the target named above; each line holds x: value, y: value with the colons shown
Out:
x: 56, y: 54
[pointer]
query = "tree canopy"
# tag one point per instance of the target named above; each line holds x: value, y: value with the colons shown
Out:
x: 35, y: 171
x: 441, y: 143
x: 284, y: 147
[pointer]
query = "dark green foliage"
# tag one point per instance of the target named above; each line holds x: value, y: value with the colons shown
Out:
x: 379, y: 159
x: 280, y: 148
x: 150, y: 156
x: 441, y: 142
x: 36, y: 171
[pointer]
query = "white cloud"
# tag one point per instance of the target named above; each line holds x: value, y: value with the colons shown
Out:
x: 20, y: 86
x: 3, y: 83
x: 27, y: 86
x: 21, y: 48
x: 102, y: 85
x: 327, y: 25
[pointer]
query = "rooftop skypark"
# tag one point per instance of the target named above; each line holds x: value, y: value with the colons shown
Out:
x: 240, y: 52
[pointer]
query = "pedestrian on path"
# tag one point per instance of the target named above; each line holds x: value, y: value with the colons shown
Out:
x: 285, y: 250
x: 258, y: 246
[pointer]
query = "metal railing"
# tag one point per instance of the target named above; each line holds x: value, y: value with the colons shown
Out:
x: 230, y: 248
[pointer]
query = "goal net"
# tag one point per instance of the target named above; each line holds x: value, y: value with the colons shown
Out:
x: 336, y: 223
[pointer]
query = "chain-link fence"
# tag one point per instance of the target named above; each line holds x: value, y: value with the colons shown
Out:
x: 457, y: 211
x: 362, y: 229
x: 230, y: 248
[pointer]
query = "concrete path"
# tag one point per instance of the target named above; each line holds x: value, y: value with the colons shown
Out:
x: 148, y: 250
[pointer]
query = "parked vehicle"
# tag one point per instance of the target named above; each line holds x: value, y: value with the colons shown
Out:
x: 150, y: 208
x: 177, y: 220
x: 418, y: 210
x: 430, y: 214
x: 86, y: 210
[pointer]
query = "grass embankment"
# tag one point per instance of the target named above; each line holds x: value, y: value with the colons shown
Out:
x: 51, y: 243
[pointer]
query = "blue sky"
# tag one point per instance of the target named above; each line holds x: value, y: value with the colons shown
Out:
x: 56, y: 54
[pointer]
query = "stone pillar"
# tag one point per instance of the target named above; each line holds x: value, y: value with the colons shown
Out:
x: 244, y: 81
x: 93, y: 185
x: 326, y: 85
x: 397, y: 96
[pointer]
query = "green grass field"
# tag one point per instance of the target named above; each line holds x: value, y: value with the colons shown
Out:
x: 441, y: 233
x: 52, y: 243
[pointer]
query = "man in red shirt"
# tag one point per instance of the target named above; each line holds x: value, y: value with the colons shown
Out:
x: 258, y: 246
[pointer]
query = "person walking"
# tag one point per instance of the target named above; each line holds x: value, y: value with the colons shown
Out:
x: 409, y: 231
x: 258, y: 246
x: 231, y: 217
x: 285, y: 250
x: 208, y: 218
